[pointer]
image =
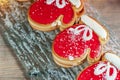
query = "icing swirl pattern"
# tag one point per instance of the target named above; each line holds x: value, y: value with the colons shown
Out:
x: 62, y: 5
x: 101, y: 68
x: 86, y: 30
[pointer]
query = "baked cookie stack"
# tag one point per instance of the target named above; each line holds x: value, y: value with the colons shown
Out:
x: 81, y: 37
x: 47, y: 15
x: 78, y: 42
x: 106, y: 69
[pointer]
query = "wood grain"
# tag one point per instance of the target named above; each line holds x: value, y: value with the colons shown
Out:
x: 110, y: 11
x: 11, y: 70
x: 9, y: 67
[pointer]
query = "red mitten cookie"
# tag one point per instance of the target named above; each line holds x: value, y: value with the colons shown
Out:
x: 71, y: 46
x: 46, y: 15
x: 103, y: 70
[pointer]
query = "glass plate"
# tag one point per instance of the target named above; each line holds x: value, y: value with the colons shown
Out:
x: 33, y: 48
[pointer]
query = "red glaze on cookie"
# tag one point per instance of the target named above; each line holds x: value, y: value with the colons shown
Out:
x: 100, y: 71
x: 74, y: 41
x: 46, y: 13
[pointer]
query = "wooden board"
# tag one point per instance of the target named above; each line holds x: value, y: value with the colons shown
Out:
x: 9, y: 68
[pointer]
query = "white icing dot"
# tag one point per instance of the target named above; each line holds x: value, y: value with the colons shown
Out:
x: 77, y: 44
x: 63, y: 51
x: 93, y: 40
x: 33, y: 12
x: 77, y: 52
x: 56, y: 23
x: 41, y: 14
x: 71, y: 57
x: 70, y: 47
x: 61, y: 40
x: 40, y: 8
x: 51, y: 17
x: 90, y: 44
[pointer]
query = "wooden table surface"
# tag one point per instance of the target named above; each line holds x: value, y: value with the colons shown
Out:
x: 11, y: 70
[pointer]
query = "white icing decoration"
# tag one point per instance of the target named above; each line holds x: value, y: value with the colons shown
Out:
x: 95, y: 26
x: 98, y: 69
x: 113, y: 59
x: 77, y: 3
x: 77, y: 30
x: 102, y: 67
x: 62, y: 5
x: 56, y: 23
x: 50, y: 1
x: 71, y: 57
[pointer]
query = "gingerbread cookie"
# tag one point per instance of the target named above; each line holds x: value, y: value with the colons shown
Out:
x: 46, y: 15
x: 108, y: 69
x: 71, y: 46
